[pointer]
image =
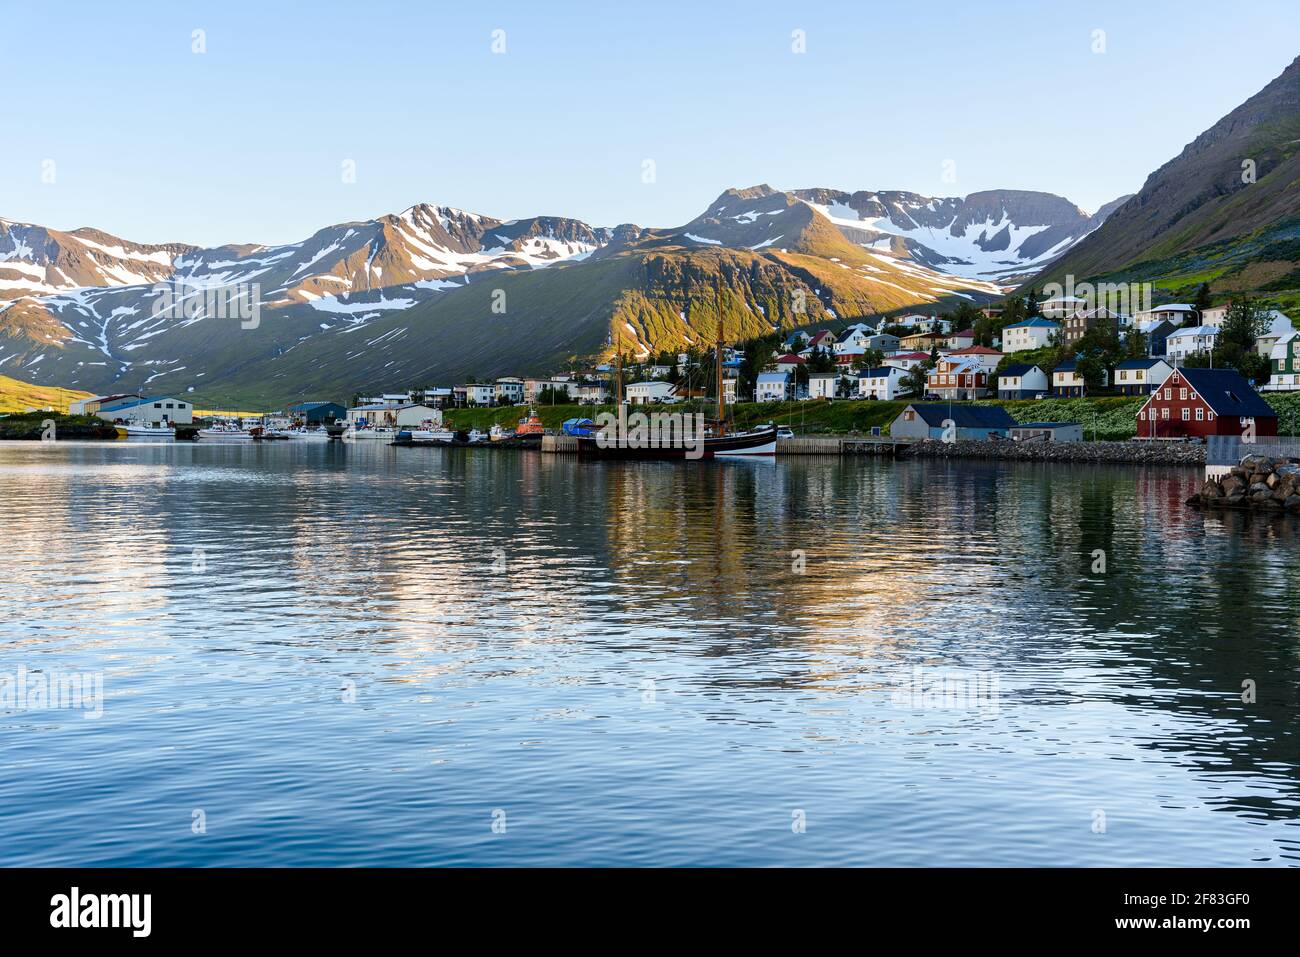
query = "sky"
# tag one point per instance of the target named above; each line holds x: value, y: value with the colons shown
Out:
x: 605, y: 112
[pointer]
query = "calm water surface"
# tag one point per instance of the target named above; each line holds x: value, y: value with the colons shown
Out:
x: 367, y: 655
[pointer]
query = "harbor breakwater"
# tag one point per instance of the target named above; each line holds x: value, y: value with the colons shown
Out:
x: 1119, y: 453
x: 1259, y: 482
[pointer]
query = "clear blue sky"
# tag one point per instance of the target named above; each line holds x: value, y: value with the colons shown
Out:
x: 245, y: 142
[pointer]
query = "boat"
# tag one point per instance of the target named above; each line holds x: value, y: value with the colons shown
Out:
x: 371, y: 432
x: 498, y: 434
x: 136, y: 429
x: 225, y: 430
x: 307, y: 435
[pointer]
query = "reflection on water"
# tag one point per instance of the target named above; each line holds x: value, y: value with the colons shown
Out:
x: 355, y: 654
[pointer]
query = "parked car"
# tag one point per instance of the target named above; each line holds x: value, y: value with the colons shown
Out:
x: 784, y: 433
x: 931, y: 397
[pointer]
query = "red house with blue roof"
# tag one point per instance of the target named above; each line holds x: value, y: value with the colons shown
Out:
x: 1195, y: 403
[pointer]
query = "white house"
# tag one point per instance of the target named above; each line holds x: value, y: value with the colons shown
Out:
x: 1021, y: 381
x: 823, y: 385
x: 1035, y: 333
x: 906, y: 360
x: 649, y: 392
x: 589, y: 393
x: 1278, y: 326
x: 883, y: 383
x: 772, y: 387
x: 1175, y: 312
x: 478, y: 393
x: 509, y: 390
x: 1141, y: 376
x: 788, y: 363
x: 1186, y: 342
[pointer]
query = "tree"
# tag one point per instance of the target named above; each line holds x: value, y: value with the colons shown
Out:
x: 1031, y: 305
x: 1202, y: 300
x: 1136, y: 343
x: 914, y: 382
x: 870, y: 359
x: 1091, y: 367
x: 819, y: 360
x: 1234, y: 346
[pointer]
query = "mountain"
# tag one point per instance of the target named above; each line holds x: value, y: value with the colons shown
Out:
x: 1207, y: 215
x: 435, y: 294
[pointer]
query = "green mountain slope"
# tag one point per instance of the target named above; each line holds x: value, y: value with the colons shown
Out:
x: 1225, y: 210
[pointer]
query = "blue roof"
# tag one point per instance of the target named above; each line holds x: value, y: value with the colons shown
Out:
x: 308, y: 406
x: 965, y: 416
x: 773, y: 377
x: 1019, y: 369
x: 140, y: 402
x: 878, y: 373
x: 1037, y: 322
x: 1146, y: 363
x: 1227, y: 393
x: 1068, y: 365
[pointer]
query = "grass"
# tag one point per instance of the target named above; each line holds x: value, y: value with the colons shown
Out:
x: 17, y: 396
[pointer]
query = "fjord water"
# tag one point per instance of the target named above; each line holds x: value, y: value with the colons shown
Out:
x: 355, y: 654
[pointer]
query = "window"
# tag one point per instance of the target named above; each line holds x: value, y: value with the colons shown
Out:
x: 1169, y: 394
x: 1210, y: 416
x: 1164, y: 413
x: 1187, y: 414
x: 1200, y: 414
x: 1182, y: 395
x: 157, y: 405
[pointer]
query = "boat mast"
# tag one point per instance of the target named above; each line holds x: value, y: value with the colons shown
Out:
x: 717, y: 367
x: 618, y: 368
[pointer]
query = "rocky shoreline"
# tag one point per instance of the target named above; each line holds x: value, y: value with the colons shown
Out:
x: 1259, y: 482
x: 1119, y: 453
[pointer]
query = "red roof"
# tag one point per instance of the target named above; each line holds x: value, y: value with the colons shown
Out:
x: 975, y: 351
x: 819, y: 337
x: 909, y: 355
x: 790, y: 357
x: 966, y: 333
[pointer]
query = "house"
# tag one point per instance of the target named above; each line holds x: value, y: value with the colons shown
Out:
x: 884, y: 383
x: 824, y: 340
x: 788, y: 363
x: 479, y: 393
x: 317, y: 413
x: 794, y: 343
x: 922, y: 323
x: 385, y: 415
x: 961, y: 340
x: 1157, y: 332
x: 1035, y: 333
x: 1200, y: 402
x: 906, y: 360
x: 649, y: 392
x: 158, y: 411
x: 987, y: 358
x: 992, y: 312
x: 951, y: 421
x: 1022, y: 381
x: 1278, y: 326
x: 1078, y: 324
x: 959, y: 377
x: 509, y: 391
x: 1284, y: 361
x: 1060, y: 307
x: 772, y: 387
x: 438, y: 397
x: 1177, y: 313
x: 1047, y: 432
x: 589, y: 393
x: 823, y: 385
x: 1140, y: 376
x: 1067, y: 382
x: 923, y: 342
x: 1190, y: 340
